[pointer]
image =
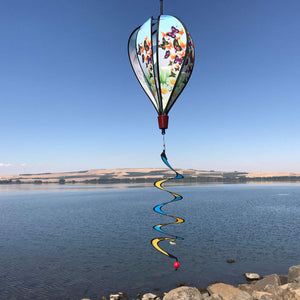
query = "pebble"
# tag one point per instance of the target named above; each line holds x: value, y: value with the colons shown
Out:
x: 251, y: 276
x: 122, y: 295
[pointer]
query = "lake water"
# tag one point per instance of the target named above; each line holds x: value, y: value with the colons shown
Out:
x: 72, y: 242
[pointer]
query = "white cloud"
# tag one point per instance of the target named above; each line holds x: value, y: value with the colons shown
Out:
x: 5, y: 165
x: 23, y: 165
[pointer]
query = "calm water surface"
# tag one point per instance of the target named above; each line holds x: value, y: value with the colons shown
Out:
x: 73, y: 242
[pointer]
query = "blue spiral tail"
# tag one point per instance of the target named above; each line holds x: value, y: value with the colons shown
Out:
x: 158, y: 209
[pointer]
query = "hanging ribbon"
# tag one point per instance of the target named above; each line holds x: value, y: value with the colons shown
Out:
x: 158, y: 209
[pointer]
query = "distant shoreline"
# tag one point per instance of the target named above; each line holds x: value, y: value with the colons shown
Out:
x: 133, y: 176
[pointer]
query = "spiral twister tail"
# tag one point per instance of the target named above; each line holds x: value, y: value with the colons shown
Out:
x: 158, y: 209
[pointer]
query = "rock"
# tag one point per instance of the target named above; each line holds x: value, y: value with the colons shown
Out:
x: 226, y: 291
x: 230, y: 261
x: 103, y: 298
x: 206, y: 296
x: 283, y: 279
x: 251, y: 276
x: 287, y: 292
x: 272, y: 289
x: 149, y: 296
x: 270, y: 279
x: 122, y: 295
x: 242, y: 295
x: 184, y: 293
x: 262, y: 296
x: 114, y: 297
x: 215, y: 297
x: 246, y: 288
x: 294, y: 274
x: 297, y: 293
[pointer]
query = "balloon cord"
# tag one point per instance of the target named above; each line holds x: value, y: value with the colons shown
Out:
x: 161, y: 7
x: 158, y: 208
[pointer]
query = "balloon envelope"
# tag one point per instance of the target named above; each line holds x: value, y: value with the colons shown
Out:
x: 162, y: 57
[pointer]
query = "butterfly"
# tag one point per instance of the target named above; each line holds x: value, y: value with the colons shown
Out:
x: 178, y: 60
x: 164, y: 44
x: 177, y: 46
x: 167, y: 54
x: 172, y: 74
x: 149, y: 60
x: 151, y: 75
x: 143, y: 58
x: 146, y: 46
x: 139, y: 51
x: 170, y: 63
x: 177, y: 69
x: 172, y: 34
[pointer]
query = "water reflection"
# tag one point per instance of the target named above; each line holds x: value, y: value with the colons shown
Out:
x: 80, y: 186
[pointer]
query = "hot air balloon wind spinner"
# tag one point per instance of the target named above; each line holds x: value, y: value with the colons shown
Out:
x: 161, y: 53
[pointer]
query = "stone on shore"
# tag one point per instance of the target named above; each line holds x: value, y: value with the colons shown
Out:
x: 122, y: 295
x: 215, y: 297
x: 283, y: 279
x: 272, y: 279
x: 184, y: 293
x: 226, y: 291
x: 271, y: 287
x: 205, y: 296
x: 252, y: 276
x: 290, y: 291
x: 150, y: 296
x: 242, y: 295
x: 294, y: 274
x: 262, y: 296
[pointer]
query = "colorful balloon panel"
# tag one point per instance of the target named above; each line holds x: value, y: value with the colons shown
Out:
x: 172, y: 40
x: 134, y: 60
x: 185, y: 73
x: 144, y: 52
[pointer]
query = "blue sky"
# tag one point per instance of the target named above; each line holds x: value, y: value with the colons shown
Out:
x: 70, y: 101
